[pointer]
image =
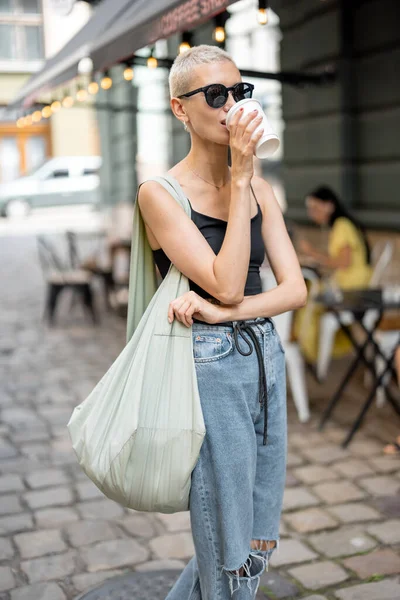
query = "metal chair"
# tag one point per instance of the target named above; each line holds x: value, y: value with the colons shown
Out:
x: 381, y: 256
x: 83, y: 250
x: 60, y: 276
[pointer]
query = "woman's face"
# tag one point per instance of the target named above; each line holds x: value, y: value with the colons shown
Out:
x: 319, y: 211
x: 203, y: 120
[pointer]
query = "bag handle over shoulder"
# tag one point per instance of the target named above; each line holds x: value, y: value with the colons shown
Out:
x: 142, y: 275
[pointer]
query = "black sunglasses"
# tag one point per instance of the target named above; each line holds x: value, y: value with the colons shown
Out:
x: 216, y: 94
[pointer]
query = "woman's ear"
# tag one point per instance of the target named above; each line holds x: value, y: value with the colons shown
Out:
x: 178, y: 110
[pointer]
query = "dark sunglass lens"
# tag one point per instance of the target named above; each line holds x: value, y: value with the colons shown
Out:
x: 242, y: 91
x: 216, y: 96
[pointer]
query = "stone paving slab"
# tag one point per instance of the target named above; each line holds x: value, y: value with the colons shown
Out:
x: 278, y: 586
x: 319, y: 575
x: 59, y: 536
x: 379, y: 562
x: 354, y: 512
x: 44, y: 591
x: 342, y: 542
x: 387, y: 532
x: 338, y: 491
x: 311, y: 519
x: 388, y: 589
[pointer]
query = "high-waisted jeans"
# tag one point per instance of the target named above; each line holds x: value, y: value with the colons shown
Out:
x: 238, y: 482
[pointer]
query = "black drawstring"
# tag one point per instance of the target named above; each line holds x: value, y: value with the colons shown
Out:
x: 239, y: 328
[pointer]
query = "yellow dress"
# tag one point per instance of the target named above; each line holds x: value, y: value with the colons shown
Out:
x: 356, y: 275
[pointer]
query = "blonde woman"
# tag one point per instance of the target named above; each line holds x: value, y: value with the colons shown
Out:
x: 238, y: 482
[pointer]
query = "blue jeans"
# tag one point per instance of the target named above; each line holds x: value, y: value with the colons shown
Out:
x: 238, y: 483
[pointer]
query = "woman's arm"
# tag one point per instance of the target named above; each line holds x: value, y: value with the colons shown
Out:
x: 223, y: 276
x: 291, y: 291
x: 341, y: 261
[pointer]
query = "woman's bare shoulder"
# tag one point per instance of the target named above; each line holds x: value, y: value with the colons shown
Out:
x: 263, y: 191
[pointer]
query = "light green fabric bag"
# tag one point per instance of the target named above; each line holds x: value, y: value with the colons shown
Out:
x: 138, y: 434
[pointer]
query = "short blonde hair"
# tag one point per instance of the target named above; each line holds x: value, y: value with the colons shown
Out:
x: 182, y: 68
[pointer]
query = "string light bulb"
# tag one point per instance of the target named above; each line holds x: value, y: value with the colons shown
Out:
x: 128, y: 73
x: 81, y: 95
x: 68, y: 102
x: 219, y: 34
x: 37, y: 116
x: 152, y: 62
x: 186, y: 42
x: 262, y: 14
x: 183, y: 47
x: 46, y: 112
x: 106, y: 82
x: 93, y: 88
x: 20, y: 122
x: 55, y: 106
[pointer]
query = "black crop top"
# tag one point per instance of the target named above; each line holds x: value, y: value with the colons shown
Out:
x: 214, y: 230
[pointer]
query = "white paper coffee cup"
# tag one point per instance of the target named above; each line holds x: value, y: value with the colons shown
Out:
x: 269, y: 143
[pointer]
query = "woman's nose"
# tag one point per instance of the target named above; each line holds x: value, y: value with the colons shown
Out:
x: 230, y: 102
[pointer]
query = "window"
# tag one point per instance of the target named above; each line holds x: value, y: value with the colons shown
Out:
x: 22, y: 150
x: 21, y: 34
x: 5, y: 6
x: 29, y: 6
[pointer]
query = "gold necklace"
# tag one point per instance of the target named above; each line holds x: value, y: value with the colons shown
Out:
x: 200, y: 177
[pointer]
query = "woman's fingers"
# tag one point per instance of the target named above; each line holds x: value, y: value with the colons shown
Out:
x: 184, y: 313
x: 183, y: 308
x: 250, y: 129
x: 234, y: 122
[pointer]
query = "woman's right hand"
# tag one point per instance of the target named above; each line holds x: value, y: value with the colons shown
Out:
x: 243, y: 141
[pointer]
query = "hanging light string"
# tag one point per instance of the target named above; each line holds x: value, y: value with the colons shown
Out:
x: 106, y: 82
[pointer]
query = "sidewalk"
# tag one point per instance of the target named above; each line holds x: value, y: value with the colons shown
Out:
x: 59, y: 536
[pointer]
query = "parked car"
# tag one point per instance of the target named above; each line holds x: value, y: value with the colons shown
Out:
x: 59, y: 181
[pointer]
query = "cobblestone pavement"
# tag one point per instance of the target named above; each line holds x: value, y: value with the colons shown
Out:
x: 59, y: 536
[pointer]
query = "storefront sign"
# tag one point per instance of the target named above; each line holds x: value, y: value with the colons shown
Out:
x: 188, y: 15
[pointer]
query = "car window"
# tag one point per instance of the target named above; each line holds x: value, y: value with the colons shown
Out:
x: 57, y: 173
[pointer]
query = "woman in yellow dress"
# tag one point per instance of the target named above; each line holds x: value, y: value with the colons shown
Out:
x: 348, y: 257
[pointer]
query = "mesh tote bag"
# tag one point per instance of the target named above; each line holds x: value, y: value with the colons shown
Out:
x: 138, y: 434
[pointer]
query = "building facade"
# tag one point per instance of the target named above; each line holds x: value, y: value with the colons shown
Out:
x: 30, y: 32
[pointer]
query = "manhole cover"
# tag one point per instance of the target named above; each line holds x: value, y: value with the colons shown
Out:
x: 152, y: 585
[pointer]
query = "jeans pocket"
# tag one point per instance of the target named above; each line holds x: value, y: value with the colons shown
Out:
x: 210, y: 346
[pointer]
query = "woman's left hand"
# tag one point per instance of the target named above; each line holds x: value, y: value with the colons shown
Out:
x: 191, y: 304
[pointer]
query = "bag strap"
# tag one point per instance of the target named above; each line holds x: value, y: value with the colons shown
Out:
x: 142, y: 274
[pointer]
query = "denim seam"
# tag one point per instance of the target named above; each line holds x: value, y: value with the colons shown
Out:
x: 204, y: 501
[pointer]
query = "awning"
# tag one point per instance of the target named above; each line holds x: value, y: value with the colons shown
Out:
x: 115, y: 31
x: 146, y: 21
x: 63, y: 66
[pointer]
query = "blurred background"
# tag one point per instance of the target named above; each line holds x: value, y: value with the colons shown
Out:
x: 84, y: 118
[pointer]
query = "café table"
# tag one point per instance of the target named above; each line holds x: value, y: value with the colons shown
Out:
x: 367, y: 307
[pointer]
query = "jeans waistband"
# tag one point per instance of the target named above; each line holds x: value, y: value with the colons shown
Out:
x: 228, y: 325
